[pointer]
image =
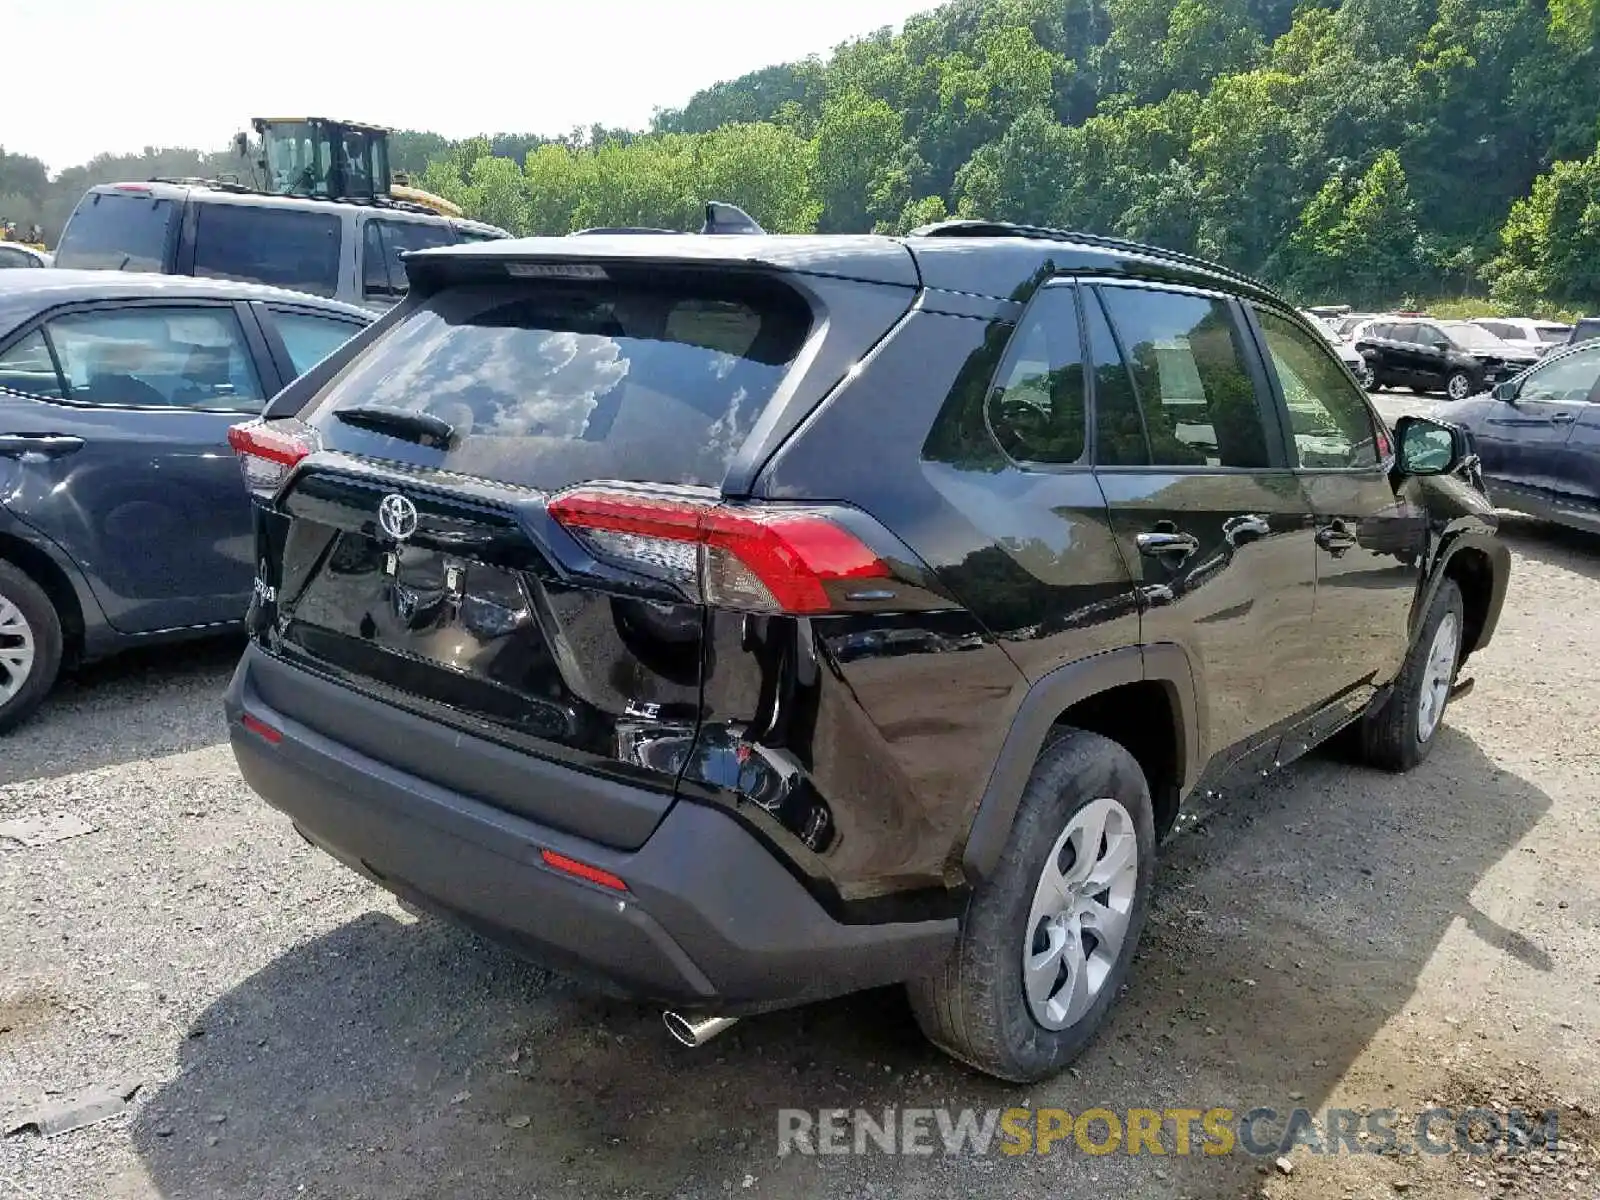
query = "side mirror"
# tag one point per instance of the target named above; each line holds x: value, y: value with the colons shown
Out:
x: 1507, y: 391
x: 1429, y: 447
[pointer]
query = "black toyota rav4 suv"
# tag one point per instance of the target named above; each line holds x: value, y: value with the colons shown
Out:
x: 743, y: 620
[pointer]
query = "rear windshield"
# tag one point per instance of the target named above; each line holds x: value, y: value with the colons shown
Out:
x: 552, y: 383
x: 285, y: 247
x: 117, y: 231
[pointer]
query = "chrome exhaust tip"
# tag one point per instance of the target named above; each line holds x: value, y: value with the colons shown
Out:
x: 696, y: 1031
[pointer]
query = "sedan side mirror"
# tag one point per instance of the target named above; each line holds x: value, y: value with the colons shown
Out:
x: 1507, y: 391
x: 1429, y: 447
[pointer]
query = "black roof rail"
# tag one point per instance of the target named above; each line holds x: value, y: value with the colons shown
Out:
x: 721, y: 217
x: 971, y: 228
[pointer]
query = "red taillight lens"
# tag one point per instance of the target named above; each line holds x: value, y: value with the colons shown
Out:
x: 261, y: 729
x: 582, y: 870
x: 266, y: 454
x: 760, y: 559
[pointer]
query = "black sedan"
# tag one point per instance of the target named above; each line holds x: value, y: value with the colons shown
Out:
x: 1538, y: 437
x: 1453, y: 357
x: 123, y: 518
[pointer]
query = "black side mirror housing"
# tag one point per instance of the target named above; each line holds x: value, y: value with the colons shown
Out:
x: 1507, y: 390
x: 1429, y: 447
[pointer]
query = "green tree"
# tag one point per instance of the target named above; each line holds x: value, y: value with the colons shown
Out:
x: 1360, y: 238
x: 858, y: 141
x: 1550, y: 245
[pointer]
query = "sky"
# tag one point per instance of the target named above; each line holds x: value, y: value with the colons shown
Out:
x: 115, y: 75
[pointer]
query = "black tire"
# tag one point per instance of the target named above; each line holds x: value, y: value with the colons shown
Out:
x: 44, y: 626
x: 974, y: 1006
x: 1390, y: 737
x: 1374, y: 384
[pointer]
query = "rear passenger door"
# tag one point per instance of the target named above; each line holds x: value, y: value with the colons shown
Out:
x: 1207, y: 513
x: 138, y: 485
x: 1370, y: 536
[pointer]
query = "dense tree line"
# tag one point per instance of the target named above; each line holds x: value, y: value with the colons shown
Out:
x: 1368, y: 150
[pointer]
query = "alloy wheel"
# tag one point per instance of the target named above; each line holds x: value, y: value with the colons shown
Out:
x: 16, y: 650
x: 1458, y: 387
x: 1438, y: 676
x: 1081, y: 909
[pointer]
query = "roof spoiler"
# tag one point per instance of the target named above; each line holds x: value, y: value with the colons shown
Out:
x: 721, y: 217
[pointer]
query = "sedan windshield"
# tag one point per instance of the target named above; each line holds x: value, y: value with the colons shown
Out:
x: 1475, y: 338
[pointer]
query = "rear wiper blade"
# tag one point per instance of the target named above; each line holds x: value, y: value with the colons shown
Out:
x: 423, y: 428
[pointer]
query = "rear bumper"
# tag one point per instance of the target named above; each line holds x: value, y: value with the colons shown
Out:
x: 711, y: 920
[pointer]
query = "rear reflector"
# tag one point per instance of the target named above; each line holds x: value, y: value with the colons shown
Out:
x: 753, y: 558
x: 267, y: 453
x: 261, y: 729
x: 582, y: 870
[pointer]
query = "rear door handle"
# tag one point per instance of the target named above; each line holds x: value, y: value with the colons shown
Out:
x: 1167, y: 545
x: 49, y: 445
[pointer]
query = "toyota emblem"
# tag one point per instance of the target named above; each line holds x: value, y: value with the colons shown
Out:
x: 397, y: 516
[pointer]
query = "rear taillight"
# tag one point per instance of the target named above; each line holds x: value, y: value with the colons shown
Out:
x: 268, y: 451
x: 752, y: 558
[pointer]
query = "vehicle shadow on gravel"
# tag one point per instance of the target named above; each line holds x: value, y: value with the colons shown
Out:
x: 394, y: 1059
x: 1556, y: 545
x: 144, y: 704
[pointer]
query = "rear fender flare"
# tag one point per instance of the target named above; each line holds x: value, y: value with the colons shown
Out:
x: 1051, y: 695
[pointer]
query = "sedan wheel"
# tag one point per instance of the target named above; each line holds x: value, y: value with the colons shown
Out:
x: 16, y: 650
x: 30, y: 645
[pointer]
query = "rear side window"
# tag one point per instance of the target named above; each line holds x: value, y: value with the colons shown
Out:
x: 283, y: 247
x: 549, y: 384
x: 117, y: 231
x: 309, y: 338
x: 1036, y: 407
x: 1187, y: 360
x: 1501, y: 330
x: 382, y: 244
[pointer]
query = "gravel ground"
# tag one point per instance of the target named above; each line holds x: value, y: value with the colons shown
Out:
x: 1337, y: 937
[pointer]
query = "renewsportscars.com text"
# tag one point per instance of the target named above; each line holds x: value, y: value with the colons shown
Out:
x: 1263, y: 1131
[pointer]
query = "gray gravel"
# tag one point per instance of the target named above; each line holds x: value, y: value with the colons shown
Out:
x: 1338, y: 936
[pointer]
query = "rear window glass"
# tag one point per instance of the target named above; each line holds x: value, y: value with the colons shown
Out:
x: 552, y: 384
x: 117, y: 231
x: 280, y: 246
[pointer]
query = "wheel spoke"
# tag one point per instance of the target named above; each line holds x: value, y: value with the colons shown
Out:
x: 1109, y: 926
x: 1044, y: 969
x: 1089, y: 826
x: 1076, y: 995
x: 1122, y: 853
